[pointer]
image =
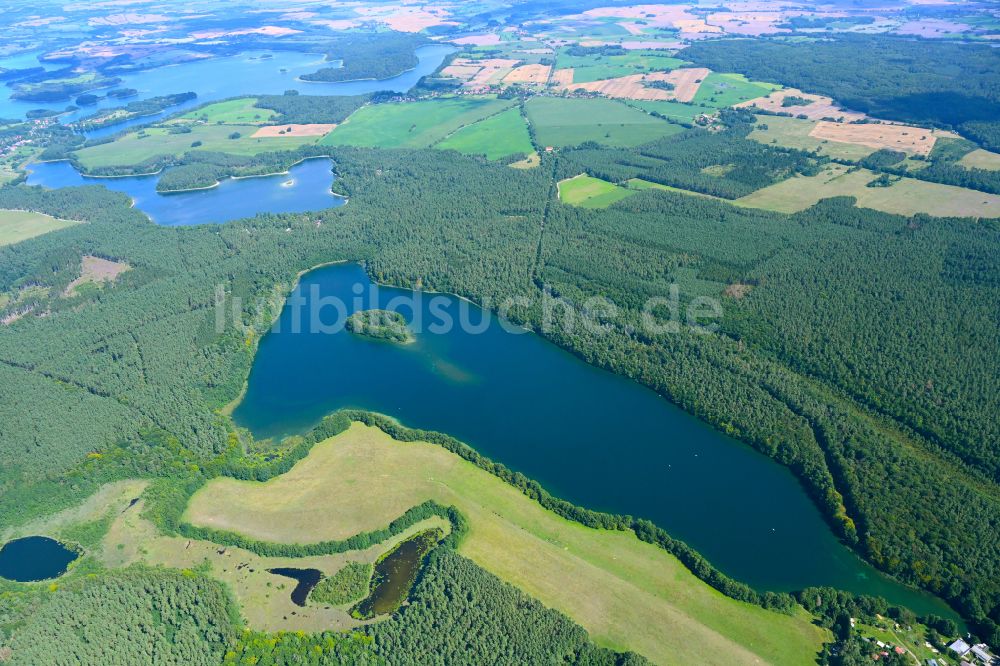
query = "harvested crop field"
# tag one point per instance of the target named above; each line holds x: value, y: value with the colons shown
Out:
x: 632, y: 86
x: 312, y: 129
x: 797, y: 133
x: 913, y: 140
x: 492, y: 71
x: 819, y: 107
x: 535, y: 74
x: 624, y: 87
x: 476, y: 73
x: 562, y: 78
x: 686, y: 82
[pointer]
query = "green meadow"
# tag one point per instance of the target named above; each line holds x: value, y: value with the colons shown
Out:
x: 495, y: 137
x: 412, y: 124
x: 907, y: 196
x: 589, y: 192
x: 721, y: 90
x: 19, y: 225
x: 231, y: 112
x: 635, y: 60
x: 137, y: 147
x: 678, y: 111
x: 627, y: 593
x: 563, y: 122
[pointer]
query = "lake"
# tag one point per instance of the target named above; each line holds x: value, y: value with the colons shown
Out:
x: 305, y: 187
x: 594, y: 438
x: 34, y: 558
x: 232, y: 76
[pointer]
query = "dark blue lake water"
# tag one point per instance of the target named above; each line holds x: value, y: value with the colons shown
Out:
x: 589, y: 436
x: 305, y: 187
x: 34, y: 558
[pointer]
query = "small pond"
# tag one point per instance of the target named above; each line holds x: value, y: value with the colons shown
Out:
x: 34, y: 558
x: 307, y: 579
x: 395, y: 574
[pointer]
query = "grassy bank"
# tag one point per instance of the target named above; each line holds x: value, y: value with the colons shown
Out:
x: 626, y: 593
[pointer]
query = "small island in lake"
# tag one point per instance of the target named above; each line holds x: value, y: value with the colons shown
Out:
x: 381, y: 325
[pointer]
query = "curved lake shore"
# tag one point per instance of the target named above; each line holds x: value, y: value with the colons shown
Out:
x: 590, y: 437
x: 230, y: 199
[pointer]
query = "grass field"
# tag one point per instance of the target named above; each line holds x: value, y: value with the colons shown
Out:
x: 906, y: 197
x: 134, y: 147
x: 635, y: 61
x: 569, y: 122
x: 19, y: 225
x: 640, y: 184
x: 794, y: 133
x: 588, y: 192
x: 720, y: 90
x: 497, y: 136
x: 626, y: 593
x: 231, y: 112
x: 981, y: 159
x: 412, y: 124
x: 674, y: 110
x: 600, y: 72
x: 264, y: 598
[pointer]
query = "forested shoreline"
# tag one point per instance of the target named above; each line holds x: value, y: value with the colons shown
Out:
x: 377, y: 57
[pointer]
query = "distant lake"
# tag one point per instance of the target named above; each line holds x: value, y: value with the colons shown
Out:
x: 34, y: 558
x: 594, y: 438
x: 218, y: 78
x: 305, y: 187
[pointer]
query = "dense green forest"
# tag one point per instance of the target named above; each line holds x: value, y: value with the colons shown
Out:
x: 819, y: 366
x: 349, y: 584
x: 295, y: 108
x: 379, y: 324
x: 899, y: 78
x: 132, y: 616
x: 206, y: 168
x: 369, y: 56
x: 460, y: 613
